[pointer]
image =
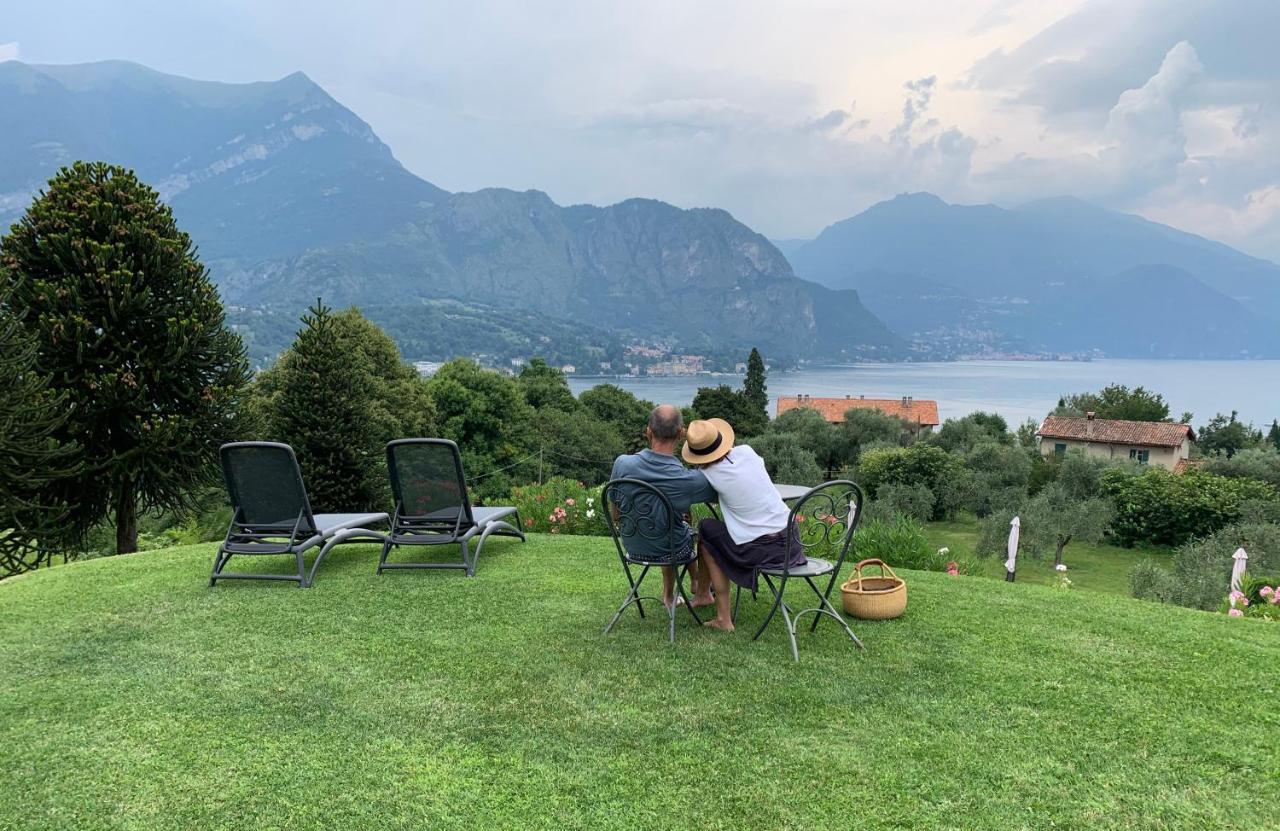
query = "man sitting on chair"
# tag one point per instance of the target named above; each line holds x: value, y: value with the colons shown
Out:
x: 658, y: 466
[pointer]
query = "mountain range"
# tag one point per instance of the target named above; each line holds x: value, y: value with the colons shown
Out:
x: 1052, y: 275
x: 290, y: 195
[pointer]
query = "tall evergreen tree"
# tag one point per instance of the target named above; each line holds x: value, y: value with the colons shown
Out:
x: 753, y: 388
x: 318, y: 405
x: 128, y: 326
x: 1273, y: 435
x: 30, y: 414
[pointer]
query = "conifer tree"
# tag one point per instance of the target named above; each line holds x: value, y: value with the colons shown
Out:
x: 320, y: 408
x: 30, y: 413
x: 756, y: 393
x: 127, y: 325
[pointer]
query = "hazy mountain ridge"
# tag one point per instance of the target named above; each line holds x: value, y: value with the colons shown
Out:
x: 290, y: 195
x: 1045, y: 276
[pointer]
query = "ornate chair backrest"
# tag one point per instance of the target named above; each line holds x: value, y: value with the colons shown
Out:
x: 428, y: 485
x: 825, y: 519
x: 644, y: 525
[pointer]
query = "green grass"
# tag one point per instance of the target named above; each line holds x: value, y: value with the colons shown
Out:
x: 132, y: 696
x: 1095, y: 567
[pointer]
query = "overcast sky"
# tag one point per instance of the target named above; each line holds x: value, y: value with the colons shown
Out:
x: 791, y: 115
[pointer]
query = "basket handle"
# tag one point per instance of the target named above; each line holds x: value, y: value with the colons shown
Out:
x: 885, y: 570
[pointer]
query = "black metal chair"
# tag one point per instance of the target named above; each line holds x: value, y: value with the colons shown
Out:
x: 647, y: 532
x: 823, y: 520
x: 272, y: 514
x: 432, y: 506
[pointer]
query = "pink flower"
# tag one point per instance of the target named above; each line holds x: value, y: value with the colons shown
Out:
x: 799, y: 517
x: 1267, y: 591
x: 1235, y: 613
x: 569, y: 501
x: 528, y: 523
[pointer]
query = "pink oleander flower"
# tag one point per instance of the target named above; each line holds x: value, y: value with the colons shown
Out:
x: 1235, y: 613
x: 1267, y: 591
x: 1275, y: 598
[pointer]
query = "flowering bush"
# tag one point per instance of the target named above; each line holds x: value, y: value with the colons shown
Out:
x: 1258, y: 597
x: 560, y: 506
x: 902, y: 544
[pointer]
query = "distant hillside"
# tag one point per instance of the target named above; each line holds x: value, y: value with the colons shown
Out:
x: 1048, y: 276
x: 290, y: 195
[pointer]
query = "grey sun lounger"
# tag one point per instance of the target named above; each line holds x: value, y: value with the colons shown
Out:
x: 272, y: 514
x: 432, y: 506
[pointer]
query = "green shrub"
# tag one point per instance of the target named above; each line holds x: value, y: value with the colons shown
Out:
x: 918, y: 464
x: 787, y: 459
x: 560, y: 506
x: 1149, y: 581
x: 1163, y: 508
x: 1201, y: 573
x: 915, y: 501
x: 901, y: 543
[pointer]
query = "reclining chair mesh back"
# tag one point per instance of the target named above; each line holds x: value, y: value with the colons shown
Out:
x: 428, y: 484
x: 265, y: 486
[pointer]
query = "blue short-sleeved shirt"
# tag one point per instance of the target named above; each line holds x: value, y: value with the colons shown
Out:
x: 684, y: 487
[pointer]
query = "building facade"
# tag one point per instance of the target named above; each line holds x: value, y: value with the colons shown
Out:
x: 1144, y: 442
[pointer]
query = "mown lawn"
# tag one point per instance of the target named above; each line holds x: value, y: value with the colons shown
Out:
x: 132, y: 696
x: 1095, y: 567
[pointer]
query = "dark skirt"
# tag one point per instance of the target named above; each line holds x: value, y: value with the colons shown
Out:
x: 742, y: 563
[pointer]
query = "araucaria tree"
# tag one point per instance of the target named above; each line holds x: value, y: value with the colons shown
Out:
x: 319, y: 401
x: 128, y: 327
x: 30, y: 413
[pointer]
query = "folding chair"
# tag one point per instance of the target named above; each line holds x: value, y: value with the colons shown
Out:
x: 647, y: 532
x: 272, y: 514
x: 823, y: 521
x: 432, y: 507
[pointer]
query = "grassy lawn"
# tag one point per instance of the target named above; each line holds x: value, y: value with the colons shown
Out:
x: 132, y: 696
x: 1103, y: 568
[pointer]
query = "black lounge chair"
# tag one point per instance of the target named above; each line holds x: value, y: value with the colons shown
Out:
x: 272, y: 514
x: 432, y: 506
x: 647, y: 532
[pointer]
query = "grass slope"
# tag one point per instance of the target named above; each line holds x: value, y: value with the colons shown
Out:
x: 132, y: 696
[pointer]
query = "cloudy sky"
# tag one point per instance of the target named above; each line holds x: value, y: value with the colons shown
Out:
x: 791, y: 115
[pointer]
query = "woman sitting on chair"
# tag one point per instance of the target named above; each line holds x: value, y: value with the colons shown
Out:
x: 752, y: 534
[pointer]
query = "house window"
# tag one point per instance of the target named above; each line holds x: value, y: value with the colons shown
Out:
x: 1140, y: 456
x: 1059, y: 448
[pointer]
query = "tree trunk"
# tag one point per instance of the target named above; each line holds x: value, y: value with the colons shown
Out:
x: 127, y: 519
x: 1057, y: 555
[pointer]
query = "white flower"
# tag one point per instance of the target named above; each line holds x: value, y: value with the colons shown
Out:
x: 590, y: 502
x: 590, y: 513
x: 1061, y: 567
x: 944, y: 551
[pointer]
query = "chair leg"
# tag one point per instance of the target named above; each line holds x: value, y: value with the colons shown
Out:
x: 737, y: 598
x: 632, y: 597
x: 469, y: 564
x: 219, y: 561
x: 632, y: 581
x: 382, y: 558
x: 791, y: 627
x: 777, y: 601
x: 303, y: 582
x: 826, y: 596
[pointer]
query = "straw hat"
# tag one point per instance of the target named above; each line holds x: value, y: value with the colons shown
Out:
x: 707, y: 441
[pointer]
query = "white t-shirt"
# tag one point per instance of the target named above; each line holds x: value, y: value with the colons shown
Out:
x: 749, y: 502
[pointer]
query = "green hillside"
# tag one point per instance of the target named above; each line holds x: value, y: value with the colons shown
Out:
x: 133, y: 696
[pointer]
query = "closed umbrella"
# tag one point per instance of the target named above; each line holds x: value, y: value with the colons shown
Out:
x: 1011, y: 564
x: 1237, y: 569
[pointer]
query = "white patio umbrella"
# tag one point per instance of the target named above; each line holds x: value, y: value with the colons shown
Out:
x: 1011, y: 564
x: 1237, y: 568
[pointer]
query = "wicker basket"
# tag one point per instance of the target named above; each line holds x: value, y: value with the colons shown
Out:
x: 874, y: 598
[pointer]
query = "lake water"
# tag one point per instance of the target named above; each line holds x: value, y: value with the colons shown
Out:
x: 1018, y: 390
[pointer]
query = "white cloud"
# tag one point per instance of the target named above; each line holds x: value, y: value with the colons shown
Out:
x: 10, y: 51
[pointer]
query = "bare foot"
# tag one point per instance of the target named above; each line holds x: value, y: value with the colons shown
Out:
x: 717, y: 623
x: 666, y: 601
x: 701, y: 600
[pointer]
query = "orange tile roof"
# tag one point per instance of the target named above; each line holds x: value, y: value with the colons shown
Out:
x: 1112, y: 431
x: 916, y: 411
